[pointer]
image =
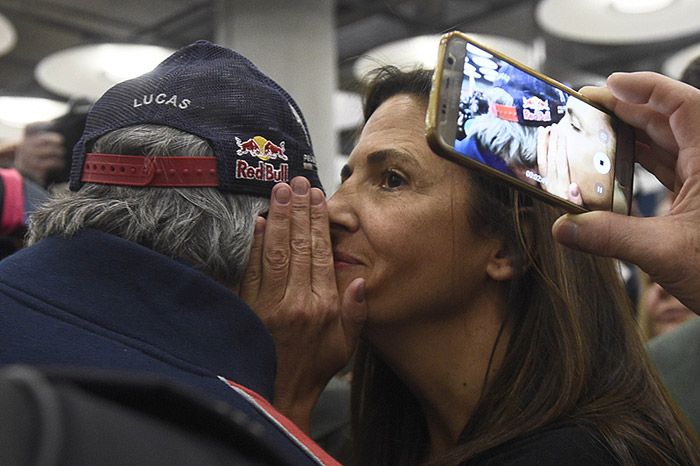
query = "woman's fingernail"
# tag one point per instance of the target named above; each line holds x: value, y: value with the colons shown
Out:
x: 300, y: 185
x: 573, y: 190
x: 259, y: 226
x: 283, y: 194
x: 316, y: 196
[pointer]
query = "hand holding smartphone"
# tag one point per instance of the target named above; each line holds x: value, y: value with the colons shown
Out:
x: 493, y: 114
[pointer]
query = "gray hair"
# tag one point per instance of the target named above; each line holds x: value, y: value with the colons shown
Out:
x: 515, y: 144
x: 210, y: 229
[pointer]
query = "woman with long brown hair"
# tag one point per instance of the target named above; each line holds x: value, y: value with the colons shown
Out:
x: 484, y: 341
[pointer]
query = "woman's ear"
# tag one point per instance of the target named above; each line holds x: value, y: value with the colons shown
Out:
x: 513, y: 257
x: 502, y: 264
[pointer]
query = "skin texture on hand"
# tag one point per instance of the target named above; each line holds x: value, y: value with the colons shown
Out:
x: 39, y: 154
x: 666, y: 115
x: 290, y: 284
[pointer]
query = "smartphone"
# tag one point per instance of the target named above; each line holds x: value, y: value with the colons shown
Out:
x: 490, y: 113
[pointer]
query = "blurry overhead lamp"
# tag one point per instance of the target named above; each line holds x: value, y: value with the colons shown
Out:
x: 8, y: 35
x: 17, y: 112
x: 88, y: 71
x: 639, y: 6
x: 422, y: 51
x: 619, y: 22
x: 675, y: 65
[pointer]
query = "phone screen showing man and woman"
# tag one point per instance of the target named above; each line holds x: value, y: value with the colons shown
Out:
x: 524, y: 127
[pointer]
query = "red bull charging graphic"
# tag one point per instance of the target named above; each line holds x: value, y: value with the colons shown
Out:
x: 265, y: 150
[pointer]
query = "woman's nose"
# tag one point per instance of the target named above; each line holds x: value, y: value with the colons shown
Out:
x: 341, y: 209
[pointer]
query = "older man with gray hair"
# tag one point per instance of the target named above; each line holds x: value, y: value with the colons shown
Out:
x: 138, y: 269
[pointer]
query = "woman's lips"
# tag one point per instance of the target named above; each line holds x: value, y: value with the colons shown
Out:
x: 343, y: 260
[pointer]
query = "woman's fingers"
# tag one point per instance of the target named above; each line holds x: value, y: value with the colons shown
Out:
x: 276, y: 250
x: 250, y: 284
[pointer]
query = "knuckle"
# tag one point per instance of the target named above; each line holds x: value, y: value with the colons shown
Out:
x: 277, y: 215
x: 277, y: 258
x: 321, y: 250
x: 300, y: 246
x: 322, y: 259
x: 252, y: 275
x: 300, y: 208
x: 319, y: 215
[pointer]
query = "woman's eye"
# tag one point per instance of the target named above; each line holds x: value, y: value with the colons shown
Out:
x: 575, y: 124
x: 392, y: 179
x: 574, y: 121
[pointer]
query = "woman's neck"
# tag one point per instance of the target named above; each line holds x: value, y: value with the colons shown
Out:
x: 444, y: 364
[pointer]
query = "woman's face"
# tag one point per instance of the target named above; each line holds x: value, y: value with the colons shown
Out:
x: 399, y: 220
x: 585, y: 138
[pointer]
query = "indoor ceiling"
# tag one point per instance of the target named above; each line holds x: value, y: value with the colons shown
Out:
x: 47, y: 26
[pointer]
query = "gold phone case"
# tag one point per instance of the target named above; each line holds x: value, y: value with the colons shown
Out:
x: 443, y: 147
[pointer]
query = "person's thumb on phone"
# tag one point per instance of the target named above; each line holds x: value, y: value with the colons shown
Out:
x: 599, y: 233
x: 650, y: 243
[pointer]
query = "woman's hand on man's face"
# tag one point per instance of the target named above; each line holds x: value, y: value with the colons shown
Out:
x: 290, y: 284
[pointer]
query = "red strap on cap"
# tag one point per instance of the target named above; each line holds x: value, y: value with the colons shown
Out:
x: 136, y: 170
x: 504, y: 112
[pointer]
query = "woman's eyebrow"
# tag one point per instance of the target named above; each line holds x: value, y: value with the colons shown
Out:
x: 384, y: 156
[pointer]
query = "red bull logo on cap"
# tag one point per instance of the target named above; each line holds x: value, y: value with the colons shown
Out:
x: 261, y: 148
x: 536, y: 109
x: 263, y: 172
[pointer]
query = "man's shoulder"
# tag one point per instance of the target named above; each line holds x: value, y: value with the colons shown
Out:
x: 678, y: 345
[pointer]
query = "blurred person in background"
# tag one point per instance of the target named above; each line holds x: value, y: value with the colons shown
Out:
x: 35, y: 166
x: 660, y: 312
x: 40, y: 154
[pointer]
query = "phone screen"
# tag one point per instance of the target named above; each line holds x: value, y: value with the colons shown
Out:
x: 525, y: 127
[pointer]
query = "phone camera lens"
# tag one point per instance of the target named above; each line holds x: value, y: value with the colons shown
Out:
x: 450, y: 60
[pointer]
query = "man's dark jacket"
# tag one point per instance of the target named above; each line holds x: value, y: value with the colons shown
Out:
x: 99, y: 301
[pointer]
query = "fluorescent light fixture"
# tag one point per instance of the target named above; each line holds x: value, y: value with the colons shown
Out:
x: 422, y: 51
x: 17, y: 112
x: 88, y: 71
x: 8, y: 35
x: 619, y: 22
x: 125, y: 61
x: 639, y: 6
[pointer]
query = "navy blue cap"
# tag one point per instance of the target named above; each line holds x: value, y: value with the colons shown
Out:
x: 257, y: 131
x: 536, y: 103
